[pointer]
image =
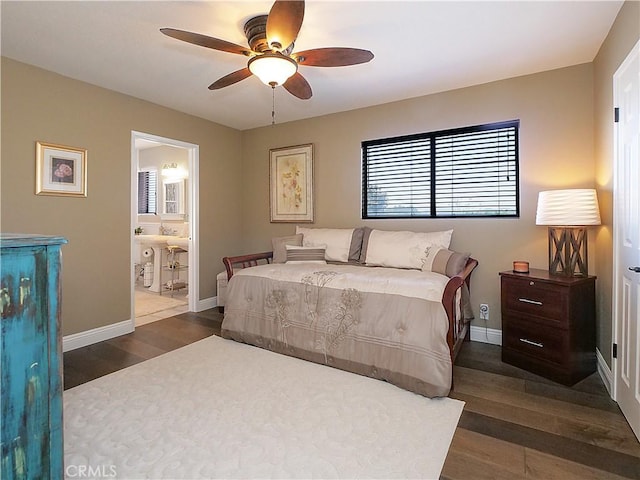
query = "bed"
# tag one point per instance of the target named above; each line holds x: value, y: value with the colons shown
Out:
x: 358, y: 313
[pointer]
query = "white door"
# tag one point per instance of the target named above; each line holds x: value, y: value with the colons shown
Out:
x: 626, y: 85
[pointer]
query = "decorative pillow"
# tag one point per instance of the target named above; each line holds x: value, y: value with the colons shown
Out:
x: 356, y: 244
x: 278, y: 243
x: 366, y: 233
x: 450, y: 263
x: 305, y: 254
x: 403, y: 249
x: 337, y: 241
x: 446, y: 262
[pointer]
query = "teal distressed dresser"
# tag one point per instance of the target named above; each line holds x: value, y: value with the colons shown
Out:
x: 30, y: 357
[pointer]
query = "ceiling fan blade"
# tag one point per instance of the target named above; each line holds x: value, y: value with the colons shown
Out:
x: 205, y: 41
x: 284, y: 22
x: 298, y: 87
x: 333, y: 57
x: 230, y: 79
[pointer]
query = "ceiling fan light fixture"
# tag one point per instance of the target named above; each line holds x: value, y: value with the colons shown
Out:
x: 269, y: 60
x: 273, y: 68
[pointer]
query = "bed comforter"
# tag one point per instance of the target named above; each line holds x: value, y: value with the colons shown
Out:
x: 385, y: 323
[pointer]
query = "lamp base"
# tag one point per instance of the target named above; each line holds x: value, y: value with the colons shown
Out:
x: 568, y: 251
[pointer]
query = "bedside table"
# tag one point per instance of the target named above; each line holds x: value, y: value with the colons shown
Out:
x: 548, y: 324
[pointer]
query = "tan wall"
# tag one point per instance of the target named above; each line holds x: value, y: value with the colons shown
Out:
x: 556, y: 151
x: 40, y: 105
x: 623, y: 35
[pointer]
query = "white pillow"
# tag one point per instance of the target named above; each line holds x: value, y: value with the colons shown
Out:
x: 404, y: 249
x: 337, y: 241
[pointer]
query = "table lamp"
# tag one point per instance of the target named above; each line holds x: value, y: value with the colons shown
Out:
x: 568, y: 213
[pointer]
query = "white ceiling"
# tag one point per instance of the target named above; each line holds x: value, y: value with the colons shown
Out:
x: 420, y: 47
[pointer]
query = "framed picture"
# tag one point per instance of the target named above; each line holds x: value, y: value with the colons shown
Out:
x: 291, y: 184
x: 61, y: 170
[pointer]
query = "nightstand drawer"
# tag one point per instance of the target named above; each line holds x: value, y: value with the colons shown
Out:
x: 545, y: 344
x: 535, y: 298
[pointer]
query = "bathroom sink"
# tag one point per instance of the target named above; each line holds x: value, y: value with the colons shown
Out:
x: 182, y: 242
x: 157, y: 243
x: 154, y: 240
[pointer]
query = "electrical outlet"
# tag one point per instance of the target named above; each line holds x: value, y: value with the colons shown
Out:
x: 484, y: 311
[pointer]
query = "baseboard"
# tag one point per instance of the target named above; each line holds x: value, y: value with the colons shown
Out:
x: 206, y: 304
x: 100, y: 334
x: 486, y: 335
x: 605, y: 372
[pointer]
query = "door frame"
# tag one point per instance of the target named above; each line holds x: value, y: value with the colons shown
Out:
x: 193, y: 183
x: 617, y: 286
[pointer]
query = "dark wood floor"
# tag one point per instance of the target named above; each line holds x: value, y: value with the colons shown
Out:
x: 518, y: 425
x: 147, y: 341
x: 515, y: 425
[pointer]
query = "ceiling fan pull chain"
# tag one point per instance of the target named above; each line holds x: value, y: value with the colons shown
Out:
x: 273, y: 104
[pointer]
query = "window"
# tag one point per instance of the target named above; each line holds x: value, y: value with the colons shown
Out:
x: 147, y: 192
x: 465, y: 172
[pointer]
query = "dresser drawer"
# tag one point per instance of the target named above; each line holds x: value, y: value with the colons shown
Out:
x: 530, y: 297
x: 547, y: 344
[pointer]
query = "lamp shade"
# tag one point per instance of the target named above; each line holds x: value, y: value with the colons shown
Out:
x: 574, y: 207
x: 273, y: 68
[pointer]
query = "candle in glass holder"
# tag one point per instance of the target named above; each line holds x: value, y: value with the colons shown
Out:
x: 521, y: 267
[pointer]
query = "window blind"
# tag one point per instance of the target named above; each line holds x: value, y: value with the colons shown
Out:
x: 147, y: 192
x: 466, y: 172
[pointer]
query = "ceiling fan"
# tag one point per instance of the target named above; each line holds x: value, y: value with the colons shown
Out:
x: 271, y: 40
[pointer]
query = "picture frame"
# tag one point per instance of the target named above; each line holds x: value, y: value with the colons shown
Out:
x: 291, y: 184
x: 61, y: 170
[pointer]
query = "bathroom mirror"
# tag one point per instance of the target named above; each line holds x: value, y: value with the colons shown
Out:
x: 173, y: 197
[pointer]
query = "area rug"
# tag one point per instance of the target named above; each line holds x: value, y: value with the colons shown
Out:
x: 221, y: 409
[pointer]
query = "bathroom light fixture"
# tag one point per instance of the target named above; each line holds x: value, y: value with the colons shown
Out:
x: 171, y: 170
x: 168, y: 167
x: 273, y: 68
x: 568, y: 212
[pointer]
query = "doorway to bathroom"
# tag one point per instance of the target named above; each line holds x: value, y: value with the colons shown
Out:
x: 164, y: 227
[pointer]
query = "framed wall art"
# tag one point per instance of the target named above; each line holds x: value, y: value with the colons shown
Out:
x: 291, y: 184
x: 61, y: 170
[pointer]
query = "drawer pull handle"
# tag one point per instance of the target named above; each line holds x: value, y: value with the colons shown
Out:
x: 530, y: 342
x: 526, y: 300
